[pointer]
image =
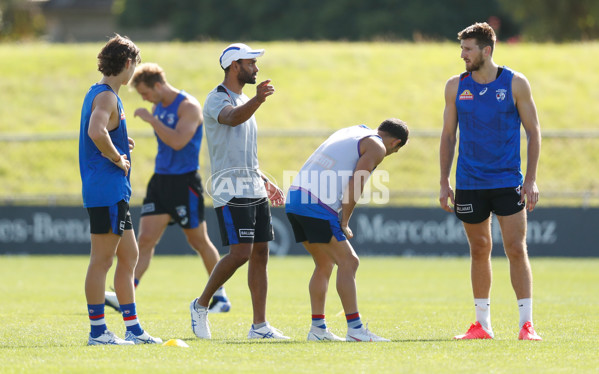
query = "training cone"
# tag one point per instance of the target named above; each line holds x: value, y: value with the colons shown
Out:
x: 175, y: 343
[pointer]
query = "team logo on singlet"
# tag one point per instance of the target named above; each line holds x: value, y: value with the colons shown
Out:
x: 122, y: 116
x: 500, y: 94
x: 466, y: 95
x: 170, y: 119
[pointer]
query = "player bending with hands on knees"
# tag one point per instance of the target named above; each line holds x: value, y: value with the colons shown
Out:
x: 240, y: 192
x: 174, y: 193
x: 488, y: 103
x: 105, y: 166
x: 319, y: 214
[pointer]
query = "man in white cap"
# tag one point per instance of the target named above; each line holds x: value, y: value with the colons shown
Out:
x: 240, y: 192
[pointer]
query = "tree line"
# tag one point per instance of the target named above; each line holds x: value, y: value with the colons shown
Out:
x: 353, y: 20
x: 534, y: 20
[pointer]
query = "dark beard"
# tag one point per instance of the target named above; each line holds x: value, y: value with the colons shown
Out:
x: 246, y: 78
x: 475, y: 66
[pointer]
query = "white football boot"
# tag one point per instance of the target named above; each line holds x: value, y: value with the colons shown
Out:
x: 144, y: 338
x: 266, y: 332
x: 107, y: 338
x: 199, y: 321
x: 363, y: 335
x: 317, y: 334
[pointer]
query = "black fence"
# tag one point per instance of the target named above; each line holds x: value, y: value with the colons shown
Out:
x: 563, y: 232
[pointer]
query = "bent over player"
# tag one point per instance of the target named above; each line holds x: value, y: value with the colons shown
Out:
x: 319, y: 204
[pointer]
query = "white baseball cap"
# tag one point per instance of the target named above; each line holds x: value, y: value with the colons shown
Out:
x: 238, y: 51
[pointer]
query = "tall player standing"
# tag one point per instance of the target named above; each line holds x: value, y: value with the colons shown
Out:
x: 489, y: 103
x: 105, y: 165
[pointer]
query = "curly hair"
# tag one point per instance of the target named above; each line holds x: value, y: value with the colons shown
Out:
x: 482, y: 32
x: 113, y: 57
x: 149, y: 74
x: 396, y: 128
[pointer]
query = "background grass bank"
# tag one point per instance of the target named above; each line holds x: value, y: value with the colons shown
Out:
x: 320, y: 87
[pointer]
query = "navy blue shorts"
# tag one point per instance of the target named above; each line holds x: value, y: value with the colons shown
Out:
x: 315, y: 230
x: 475, y: 206
x: 179, y: 196
x: 245, y: 220
x: 106, y: 219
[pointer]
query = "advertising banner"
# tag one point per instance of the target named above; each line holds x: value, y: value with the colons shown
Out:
x: 393, y: 231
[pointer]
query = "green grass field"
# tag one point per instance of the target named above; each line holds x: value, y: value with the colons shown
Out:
x: 418, y: 303
x: 319, y: 86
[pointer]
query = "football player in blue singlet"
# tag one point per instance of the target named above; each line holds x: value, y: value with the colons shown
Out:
x: 105, y: 165
x: 174, y: 193
x: 488, y: 103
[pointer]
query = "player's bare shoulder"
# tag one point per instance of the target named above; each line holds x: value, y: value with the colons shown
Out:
x: 191, y: 101
x: 105, y: 100
x: 521, y: 88
x: 520, y: 82
x: 106, y: 104
x: 190, y: 106
x: 452, y: 84
x: 373, y: 147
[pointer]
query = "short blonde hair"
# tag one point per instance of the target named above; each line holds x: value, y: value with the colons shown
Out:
x: 148, y: 73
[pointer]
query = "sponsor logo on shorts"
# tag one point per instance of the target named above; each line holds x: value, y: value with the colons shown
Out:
x: 181, y: 210
x: 519, y: 192
x: 246, y: 233
x: 148, y: 208
x: 122, y: 225
x: 464, y: 208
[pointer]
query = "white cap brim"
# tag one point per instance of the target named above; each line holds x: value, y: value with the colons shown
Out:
x: 238, y: 51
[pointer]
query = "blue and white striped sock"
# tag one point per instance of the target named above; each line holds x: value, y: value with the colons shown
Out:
x: 130, y: 319
x: 96, y: 319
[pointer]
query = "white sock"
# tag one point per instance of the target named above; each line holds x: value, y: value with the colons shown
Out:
x: 199, y: 307
x: 483, y: 312
x: 525, y: 308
